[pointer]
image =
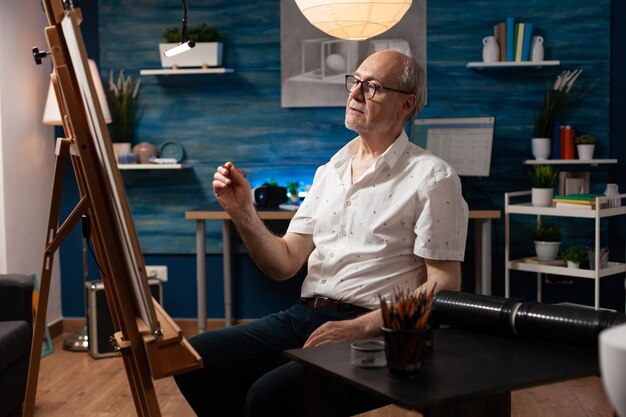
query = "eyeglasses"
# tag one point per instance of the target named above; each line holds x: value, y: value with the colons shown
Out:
x: 368, y: 88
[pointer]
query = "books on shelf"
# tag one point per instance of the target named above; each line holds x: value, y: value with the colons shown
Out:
x: 560, y: 204
x: 514, y: 39
x: 577, y: 201
x: 510, y: 31
x: 583, y: 198
x: 553, y: 262
x: 500, y: 34
x: 528, y: 33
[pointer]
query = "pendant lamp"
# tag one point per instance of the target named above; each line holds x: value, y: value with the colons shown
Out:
x: 355, y: 20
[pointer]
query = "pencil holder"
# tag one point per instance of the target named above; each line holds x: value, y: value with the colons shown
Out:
x: 405, y: 351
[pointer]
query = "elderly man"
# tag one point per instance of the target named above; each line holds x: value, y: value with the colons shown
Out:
x: 381, y: 215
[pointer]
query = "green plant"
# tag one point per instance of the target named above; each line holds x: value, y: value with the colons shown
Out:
x: 554, y: 101
x: 585, y: 140
x: 546, y: 232
x: 201, y: 33
x: 293, y: 187
x: 574, y: 254
x: 543, y: 176
x: 123, y: 99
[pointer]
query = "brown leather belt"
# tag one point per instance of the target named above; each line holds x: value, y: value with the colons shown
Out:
x: 324, y: 303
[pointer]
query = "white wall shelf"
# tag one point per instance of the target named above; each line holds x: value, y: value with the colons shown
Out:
x: 526, y: 208
x: 186, y: 71
x: 126, y: 167
x: 570, y: 162
x: 511, y: 64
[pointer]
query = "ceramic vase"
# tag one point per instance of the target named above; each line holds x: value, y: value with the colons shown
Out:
x: 541, y: 148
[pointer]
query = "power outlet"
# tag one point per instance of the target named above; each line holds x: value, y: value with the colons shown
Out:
x: 157, y: 271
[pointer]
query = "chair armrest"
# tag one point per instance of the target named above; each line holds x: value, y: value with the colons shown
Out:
x: 16, y: 295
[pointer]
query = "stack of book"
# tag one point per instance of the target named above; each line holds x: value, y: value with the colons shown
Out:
x: 513, y: 39
x: 577, y: 201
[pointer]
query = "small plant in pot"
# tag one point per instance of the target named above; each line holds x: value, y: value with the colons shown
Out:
x: 585, y: 145
x: 207, y: 51
x: 547, y: 241
x: 542, y: 178
x: 123, y: 97
x: 293, y: 189
x: 574, y: 255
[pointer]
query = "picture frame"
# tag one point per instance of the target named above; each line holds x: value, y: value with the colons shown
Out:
x: 573, y: 182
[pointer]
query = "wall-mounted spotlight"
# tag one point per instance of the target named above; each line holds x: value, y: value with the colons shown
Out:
x: 184, y: 44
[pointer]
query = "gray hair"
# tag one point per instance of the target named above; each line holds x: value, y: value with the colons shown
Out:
x: 412, y: 79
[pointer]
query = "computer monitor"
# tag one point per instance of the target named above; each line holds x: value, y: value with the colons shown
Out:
x: 464, y: 142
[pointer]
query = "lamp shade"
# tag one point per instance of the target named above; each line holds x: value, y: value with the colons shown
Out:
x: 52, y: 114
x: 355, y: 20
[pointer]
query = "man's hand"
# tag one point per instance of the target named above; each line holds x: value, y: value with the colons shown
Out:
x: 232, y: 190
x: 367, y: 325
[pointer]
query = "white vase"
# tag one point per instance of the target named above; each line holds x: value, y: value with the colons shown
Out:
x: 541, y: 148
x: 547, y: 251
x: 542, y: 197
x: 585, y: 152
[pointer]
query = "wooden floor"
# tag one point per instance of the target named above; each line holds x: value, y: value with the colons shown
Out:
x: 72, y: 384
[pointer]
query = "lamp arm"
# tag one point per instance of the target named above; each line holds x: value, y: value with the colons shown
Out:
x: 183, y: 35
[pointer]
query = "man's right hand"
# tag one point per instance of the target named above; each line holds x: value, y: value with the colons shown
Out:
x: 232, y: 190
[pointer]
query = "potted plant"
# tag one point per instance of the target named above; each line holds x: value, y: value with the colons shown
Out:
x: 585, y: 145
x: 207, y: 51
x: 553, y: 102
x: 542, y: 178
x: 123, y: 99
x: 574, y: 255
x: 547, y: 238
x: 292, y: 189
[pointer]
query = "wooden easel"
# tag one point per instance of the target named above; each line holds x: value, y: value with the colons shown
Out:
x: 149, y: 341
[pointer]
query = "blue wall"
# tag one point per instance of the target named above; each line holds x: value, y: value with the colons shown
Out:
x: 238, y: 117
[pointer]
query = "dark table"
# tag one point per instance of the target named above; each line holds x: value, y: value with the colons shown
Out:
x: 469, y: 374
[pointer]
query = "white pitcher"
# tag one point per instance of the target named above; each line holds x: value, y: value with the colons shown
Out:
x: 536, y: 48
x: 491, y: 51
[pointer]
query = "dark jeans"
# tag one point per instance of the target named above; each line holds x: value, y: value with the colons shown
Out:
x: 245, y: 372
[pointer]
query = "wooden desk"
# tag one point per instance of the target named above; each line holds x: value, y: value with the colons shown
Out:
x: 469, y: 374
x: 482, y: 220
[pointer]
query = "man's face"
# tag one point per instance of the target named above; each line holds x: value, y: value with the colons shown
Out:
x: 382, y: 112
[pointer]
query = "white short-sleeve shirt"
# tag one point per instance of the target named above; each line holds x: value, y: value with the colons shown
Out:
x: 371, y: 237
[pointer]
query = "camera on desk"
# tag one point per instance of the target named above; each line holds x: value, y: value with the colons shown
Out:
x: 270, y: 195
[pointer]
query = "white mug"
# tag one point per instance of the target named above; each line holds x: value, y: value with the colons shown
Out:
x: 491, y: 51
x: 536, y: 48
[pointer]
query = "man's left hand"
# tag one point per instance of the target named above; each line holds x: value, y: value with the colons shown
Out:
x: 333, y: 332
x: 367, y: 325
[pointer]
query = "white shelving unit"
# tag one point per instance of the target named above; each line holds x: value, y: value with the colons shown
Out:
x: 526, y: 208
x: 186, y: 71
x: 511, y: 64
x: 570, y: 162
x: 124, y: 167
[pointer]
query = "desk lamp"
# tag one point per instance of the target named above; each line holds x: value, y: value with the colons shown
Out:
x: 354, y: 20
x: 184, y: 44
x: 78, y: 341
